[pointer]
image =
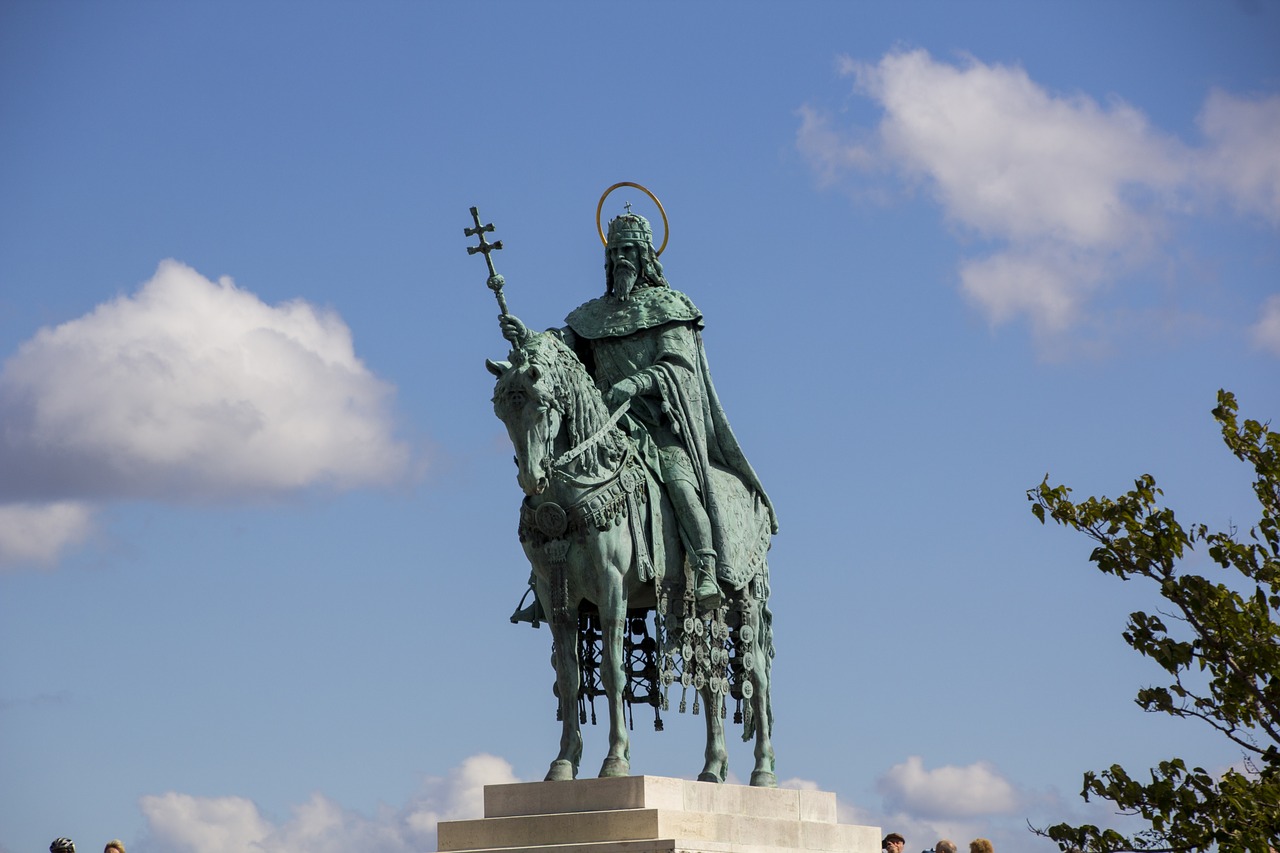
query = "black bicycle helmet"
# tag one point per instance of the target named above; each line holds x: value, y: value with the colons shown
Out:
x: 62, y: 845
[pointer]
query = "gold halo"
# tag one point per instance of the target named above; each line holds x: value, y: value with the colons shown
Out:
x: 666, y: 227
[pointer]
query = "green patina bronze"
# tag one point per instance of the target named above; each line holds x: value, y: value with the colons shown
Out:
x: 638, y: 502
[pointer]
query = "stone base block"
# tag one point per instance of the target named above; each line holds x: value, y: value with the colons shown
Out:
x: 654, y: 814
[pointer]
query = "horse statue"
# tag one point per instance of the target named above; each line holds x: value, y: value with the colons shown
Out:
x: 602, y: 541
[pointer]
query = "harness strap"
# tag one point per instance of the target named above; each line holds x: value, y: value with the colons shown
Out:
x: 573, y: 454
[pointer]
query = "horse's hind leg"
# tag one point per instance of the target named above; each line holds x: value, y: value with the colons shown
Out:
x: 564, y: 632
x: 762, y: 776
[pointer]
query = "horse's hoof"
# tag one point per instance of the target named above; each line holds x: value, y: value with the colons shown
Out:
x: 615, y: 767
x: 561, y: 770
x: 763, y: 779
x: 708, y: 776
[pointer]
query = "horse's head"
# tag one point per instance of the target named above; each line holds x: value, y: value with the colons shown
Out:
x: 525, y: 400
x: 552, y: 411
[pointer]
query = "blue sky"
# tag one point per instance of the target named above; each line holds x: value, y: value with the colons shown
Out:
x: 257, y: 545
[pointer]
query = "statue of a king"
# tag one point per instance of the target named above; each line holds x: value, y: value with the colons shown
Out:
x: 642, y: 342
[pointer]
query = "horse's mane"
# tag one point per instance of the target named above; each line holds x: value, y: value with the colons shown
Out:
x: 575, y: 393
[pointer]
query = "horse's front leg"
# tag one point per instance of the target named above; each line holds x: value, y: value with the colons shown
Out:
x: 613, y: 617
x: 715, y: 767
x: 564, y: 633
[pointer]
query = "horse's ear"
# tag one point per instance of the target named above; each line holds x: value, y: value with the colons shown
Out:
x: 534, y: 373
x: 497, y: 368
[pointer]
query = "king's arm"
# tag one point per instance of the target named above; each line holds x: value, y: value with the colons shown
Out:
x: 675, y: 356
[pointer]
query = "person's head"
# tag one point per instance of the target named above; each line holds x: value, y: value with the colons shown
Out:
x: 943, y: 846
x: 893, y: 843
x: 981, y: 845
x: 114, y: 844
x: 62, y: 845
x: 630, y: 263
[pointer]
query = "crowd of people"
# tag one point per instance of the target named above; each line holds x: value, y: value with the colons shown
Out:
x: 893, y: 843
x: 66, y: 845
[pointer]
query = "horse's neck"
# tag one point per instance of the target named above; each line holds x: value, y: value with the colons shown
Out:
x: 598, y: 462
x: 595, y: 463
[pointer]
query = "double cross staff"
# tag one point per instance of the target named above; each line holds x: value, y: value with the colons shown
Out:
x: 495, y: 281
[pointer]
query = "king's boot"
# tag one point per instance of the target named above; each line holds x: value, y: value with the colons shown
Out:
x: 708, y: 594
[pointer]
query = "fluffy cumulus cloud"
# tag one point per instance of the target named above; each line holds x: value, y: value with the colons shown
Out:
x: 1066, y: 193
x: 947, y: 792
x: 186, y: 389
x: 181, y: 823
x: 958, y: 803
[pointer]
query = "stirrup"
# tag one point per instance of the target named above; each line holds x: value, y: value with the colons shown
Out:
x: 532, y: 614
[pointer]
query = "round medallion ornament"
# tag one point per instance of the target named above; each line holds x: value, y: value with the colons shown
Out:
x: 551, y: 519
x: 629, y: 479
x: 747, y: 690
x: 746, y: 634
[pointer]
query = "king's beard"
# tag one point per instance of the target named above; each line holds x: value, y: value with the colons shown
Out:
x: 624, y: 279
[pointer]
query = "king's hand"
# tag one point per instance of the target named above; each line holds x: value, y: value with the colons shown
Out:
x: 620, y: 393
x: 512, y: 329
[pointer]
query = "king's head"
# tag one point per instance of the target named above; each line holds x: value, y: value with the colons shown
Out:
x: 630, y: 263
x: 629, y: 228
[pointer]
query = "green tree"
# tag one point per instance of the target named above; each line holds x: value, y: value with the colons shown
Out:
x: 1219, y: 641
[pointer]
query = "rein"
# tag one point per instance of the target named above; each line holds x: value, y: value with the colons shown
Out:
x: 587, y: 443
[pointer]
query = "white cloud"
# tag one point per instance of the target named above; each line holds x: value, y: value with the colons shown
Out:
x: 1071, y: 192
x: 1266, y: 332
x: 921, y: 829
x: 797, y: 783
x: 191, y: 388
x: 1012, y: 161
x: 1047, y: 284
x: 181, y: 823
x: 828, y: 152
x: 1243, y: 160
x: 186, y: 389
x: 460, y: 795
x: 947, y: 792
x: 38, y: 533
x: 204, y: 824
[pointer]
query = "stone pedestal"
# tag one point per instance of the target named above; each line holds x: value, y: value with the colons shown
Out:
x: 654, y: 814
